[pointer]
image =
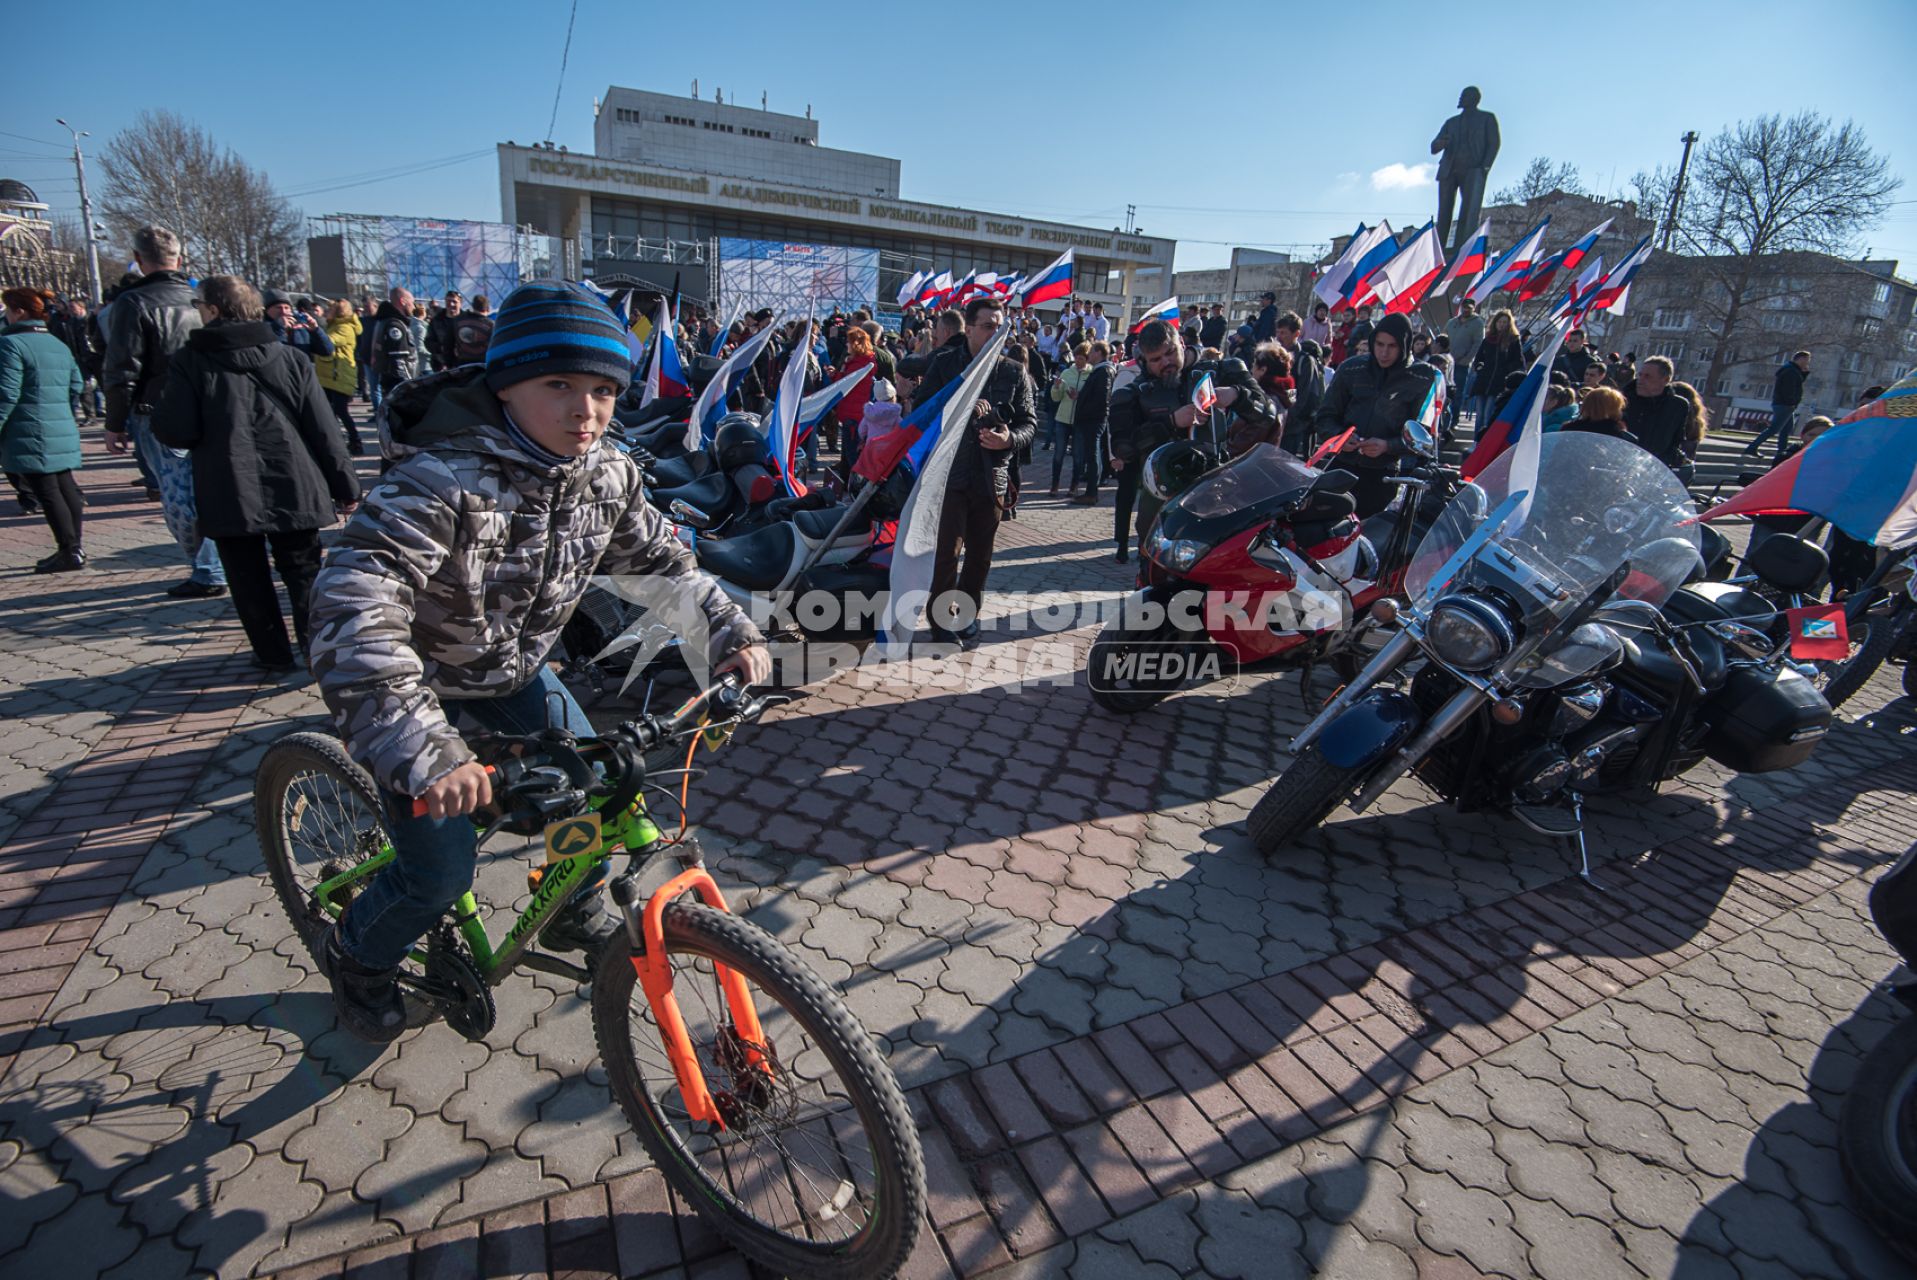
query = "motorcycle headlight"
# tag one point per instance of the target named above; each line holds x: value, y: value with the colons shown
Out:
x: 1468, y: 633
x: 1176, y: 554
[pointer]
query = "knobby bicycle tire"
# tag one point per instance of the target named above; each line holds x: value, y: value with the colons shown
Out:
x: 882, y: 1245
x: 284, y: 761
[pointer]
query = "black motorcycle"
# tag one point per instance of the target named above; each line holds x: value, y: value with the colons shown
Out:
x: 1877, y: 1135
x: 1550, y: 671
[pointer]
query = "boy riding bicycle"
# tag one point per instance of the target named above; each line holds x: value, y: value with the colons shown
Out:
x: 444, y: 594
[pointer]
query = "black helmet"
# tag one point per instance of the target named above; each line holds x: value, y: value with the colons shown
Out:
x: 1173, y: 468
x: 738, y: 442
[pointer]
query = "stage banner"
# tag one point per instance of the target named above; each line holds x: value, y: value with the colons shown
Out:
x: 430, y: 256
x: 802, y: 279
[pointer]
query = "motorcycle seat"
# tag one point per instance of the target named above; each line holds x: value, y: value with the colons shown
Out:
x: 816, y: 525
x: 1659, y: 672
x: 1789, y: 563
x: 756, y: 561
x: 710, y: 493
x: 656, y: 435
x: 674, y: 473
x: 1719, y: 601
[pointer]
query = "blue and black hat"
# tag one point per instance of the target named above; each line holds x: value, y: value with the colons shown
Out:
x: 552, y: 326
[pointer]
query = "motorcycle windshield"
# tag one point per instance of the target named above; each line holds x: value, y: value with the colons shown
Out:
x: 1260, y: 476
x: 1603, y: 518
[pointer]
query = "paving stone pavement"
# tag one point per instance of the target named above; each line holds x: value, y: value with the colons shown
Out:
x: 1410, y: 1047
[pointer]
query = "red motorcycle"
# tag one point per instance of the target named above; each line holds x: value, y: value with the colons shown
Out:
x: 1260, y: 562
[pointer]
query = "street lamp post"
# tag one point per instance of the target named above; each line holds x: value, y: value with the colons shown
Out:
x: 86, y: 211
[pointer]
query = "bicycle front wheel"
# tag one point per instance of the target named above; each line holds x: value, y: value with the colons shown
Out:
x: 817, y: 1173
x: 318, y: 816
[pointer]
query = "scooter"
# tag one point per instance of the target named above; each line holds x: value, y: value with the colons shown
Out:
x: 1262, y: 562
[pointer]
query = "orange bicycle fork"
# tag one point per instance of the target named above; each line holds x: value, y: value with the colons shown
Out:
x: 650, y: 962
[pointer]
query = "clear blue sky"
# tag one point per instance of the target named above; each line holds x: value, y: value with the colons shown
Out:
x: 1290, y: 138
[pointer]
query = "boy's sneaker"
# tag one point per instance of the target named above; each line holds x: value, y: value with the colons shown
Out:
x: 369, y: 1003
x: 582, y: 926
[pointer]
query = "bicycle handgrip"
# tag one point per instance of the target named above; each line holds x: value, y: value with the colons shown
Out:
x: 419, y: 802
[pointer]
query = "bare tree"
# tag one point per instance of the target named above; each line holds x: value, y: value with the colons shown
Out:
x: 165, y: 170
x: 1768, y: 187
x: 1541, y: 178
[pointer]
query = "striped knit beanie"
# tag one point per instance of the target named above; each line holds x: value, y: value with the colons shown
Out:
x: 553, y: 326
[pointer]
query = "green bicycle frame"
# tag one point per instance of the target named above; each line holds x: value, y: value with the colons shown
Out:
x: 631, y: 829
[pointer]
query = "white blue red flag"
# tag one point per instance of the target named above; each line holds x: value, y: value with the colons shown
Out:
x: 1575, y: 255
x: 1860, y: 475
x: 1331, y: 285
x: 1580, y: 288
x: 813, y: 408
x: 1357, y: 287
x: 1054, y: 282
x: 1166, y: 311
x: 917, y: 546
x: 711, y: 404
x: 1519, y: 423
x: 665, y: 375
x: 910, y: 289
x: 1609, y: 294
x: 1470, y: 261
x: 1539, y: 277
x: 1401, y: 283
x: 930, y: 289
x: 1514, y: 265
x: 782, y: 433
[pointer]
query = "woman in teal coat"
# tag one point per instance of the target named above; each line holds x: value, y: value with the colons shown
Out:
x: 39, y: 440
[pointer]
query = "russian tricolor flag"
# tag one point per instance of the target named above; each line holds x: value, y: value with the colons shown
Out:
x: 1861, y: 475
x: 1514, y: 265
x: 1053, y: 282
x: 1471, y: 260
x: 1580, y: 288
x: 1611, y: 290
x: 1520, y: 419
x: 665, y: 375
x: 783, y: 435
x: 1204, y: 396
x: 932, y: 288
x: 1400, y: 284
x: 711, y: 404
x: 1539, y: 278
x: 1166, y: 311
x: 1330, y: 287
x: 910, y: 289
x: 1574, y: 256
x: 1357, y: 286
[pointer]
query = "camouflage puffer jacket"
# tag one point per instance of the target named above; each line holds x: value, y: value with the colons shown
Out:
x: 460, y: 568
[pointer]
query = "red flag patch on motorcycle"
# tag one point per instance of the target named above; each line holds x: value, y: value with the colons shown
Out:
x: 1818, y: 633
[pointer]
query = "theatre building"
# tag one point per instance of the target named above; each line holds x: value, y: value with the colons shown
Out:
x: 673, y: 176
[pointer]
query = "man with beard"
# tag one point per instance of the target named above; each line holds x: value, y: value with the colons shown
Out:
x: 1156, y: 408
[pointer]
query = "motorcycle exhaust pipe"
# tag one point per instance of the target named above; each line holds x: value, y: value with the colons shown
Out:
x: 1449, y: 717
x: 1395, y: 651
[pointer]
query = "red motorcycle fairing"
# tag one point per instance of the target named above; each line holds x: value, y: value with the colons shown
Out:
x: 1229, y: 570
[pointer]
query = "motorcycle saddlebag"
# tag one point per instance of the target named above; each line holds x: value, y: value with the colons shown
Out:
x: 1762, y: 721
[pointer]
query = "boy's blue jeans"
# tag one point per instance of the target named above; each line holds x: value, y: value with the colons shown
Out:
x: 434, y: 859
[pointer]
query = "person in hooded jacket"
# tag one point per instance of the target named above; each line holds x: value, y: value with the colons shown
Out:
x: 39, y: 440
x: 269, y: 467
x: 1377, y: 393
x: 443, y: 596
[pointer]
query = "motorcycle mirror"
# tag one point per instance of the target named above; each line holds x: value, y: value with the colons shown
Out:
x: 685, y: 513
x: 1418, y: 439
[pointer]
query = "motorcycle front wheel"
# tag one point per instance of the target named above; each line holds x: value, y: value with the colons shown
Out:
x: 1877, y: 1136
x: 1303, y: 796
x: 1114, y: 672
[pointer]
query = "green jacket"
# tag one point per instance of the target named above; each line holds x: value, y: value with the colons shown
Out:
x: 38, y: 383
x: 1065, y: 393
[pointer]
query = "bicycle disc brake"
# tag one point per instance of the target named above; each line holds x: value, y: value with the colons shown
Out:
x: 454, y: 986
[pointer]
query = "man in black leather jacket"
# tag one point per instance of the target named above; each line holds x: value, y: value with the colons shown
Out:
x: 1156, y: 408
x: 1377, y: 393
x: 146, y: 324
x: 1003, y: 421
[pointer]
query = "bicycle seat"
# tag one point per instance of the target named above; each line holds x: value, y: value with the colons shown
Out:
x: 756, y: 561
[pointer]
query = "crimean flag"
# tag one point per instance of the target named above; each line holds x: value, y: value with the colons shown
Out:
x: 1471, y: 260
x: 1519, y: 422
x: 1053, y: 282
x: 1431, y: 412
x: 1861, y: 475
x: 916, y: 549
x: 1514, y: 265
x: 1166, y: 311
x: 1204, y: 396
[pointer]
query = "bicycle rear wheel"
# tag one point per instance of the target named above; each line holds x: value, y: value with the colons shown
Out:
x: 817, y: 1175
x: 318, y: 816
